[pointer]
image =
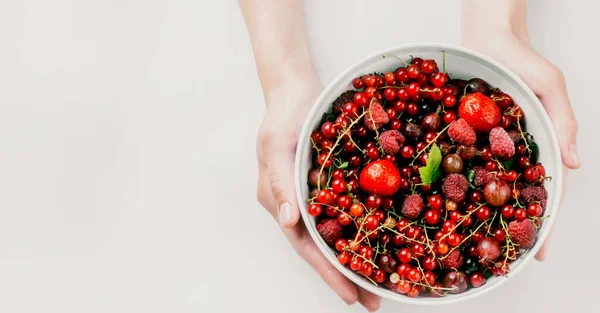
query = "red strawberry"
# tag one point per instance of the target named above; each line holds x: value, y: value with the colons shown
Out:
x: 480, y: 112
x: 380, y: 177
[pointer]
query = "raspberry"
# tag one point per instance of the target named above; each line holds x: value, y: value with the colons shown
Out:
x: 455, y: 187
x: 482, y: 176
x: 412, y: 206
x: 376, y: 117
x: 522, y: 233
x: 535, y: 195
x: 454, y: 260
x: 390, y: 141
x: 344, y: 98
x: 330, y: 230
x: 501, y: 143
x: 461, y: 132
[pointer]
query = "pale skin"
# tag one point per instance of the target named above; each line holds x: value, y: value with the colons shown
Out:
x: 290, y: 85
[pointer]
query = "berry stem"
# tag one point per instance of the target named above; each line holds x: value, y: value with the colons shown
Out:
x: 429, y: 144
x: 395, y: 56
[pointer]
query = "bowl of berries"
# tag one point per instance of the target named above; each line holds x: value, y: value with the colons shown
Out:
x: 428, y: 173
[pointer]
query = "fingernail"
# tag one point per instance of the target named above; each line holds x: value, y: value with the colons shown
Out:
x: 285, y: 214
x: 377, y: 306
x: 574, y: 153
x: 542, y: 255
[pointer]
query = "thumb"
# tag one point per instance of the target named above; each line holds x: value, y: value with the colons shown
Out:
x: 560, y: 111
x: 280, y: 166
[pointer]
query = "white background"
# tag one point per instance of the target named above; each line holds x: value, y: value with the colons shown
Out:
x: 127, y: 166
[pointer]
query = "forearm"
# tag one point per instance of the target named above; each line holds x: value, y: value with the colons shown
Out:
x: 278, y: 36
x: 484, y: 18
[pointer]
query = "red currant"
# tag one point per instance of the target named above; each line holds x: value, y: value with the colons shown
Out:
x: 358, y: 83
x: 449, y: 117
x: 508, y: 211
x: 520, y: 214
x: 432, y: 217
x: 407, y: 151
x: 534, y: 210
x: 315, y: 209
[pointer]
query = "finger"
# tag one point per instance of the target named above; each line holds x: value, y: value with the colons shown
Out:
x: 307, y: 249
x: 541, y: 255
x: 280, y: 160
x: 556, y: 101
x: 543, y: 252
x: 370, y: 301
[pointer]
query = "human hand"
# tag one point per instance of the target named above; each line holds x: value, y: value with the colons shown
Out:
x: 513, y: 49
x: 276, y: 148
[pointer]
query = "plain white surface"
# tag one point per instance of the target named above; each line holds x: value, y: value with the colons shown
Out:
x: 127, y: 168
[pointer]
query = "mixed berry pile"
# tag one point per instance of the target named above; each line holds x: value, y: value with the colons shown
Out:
x: 424, y: 184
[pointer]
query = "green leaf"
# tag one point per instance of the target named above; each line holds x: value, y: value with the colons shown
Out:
x: 430, y: 173
x: 343, y: 165
x: 535, y: 152
x: 509, y: 164
x: 471, y: 176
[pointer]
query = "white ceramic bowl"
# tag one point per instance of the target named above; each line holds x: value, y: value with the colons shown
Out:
x: 460, y: 63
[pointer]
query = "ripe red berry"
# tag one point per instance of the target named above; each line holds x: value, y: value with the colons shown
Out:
x: 358, y: 83
x: 508, y: 211
x: 520, y: 214
x: 361, y: 99
x: 432, y: 217
x: 405, y: 255
x: 500, y: 234
x: 455, y: 216
x: 449, y: 117
x: 435, y: 202
x: 357, y: 209
x: 371, y: 222
x: 344, y: 219
x: 407, y: 151
x: 534, y: 210
x: 483, y: 213
x: 449, y: 101
x: 344, y: 258
x: 373, y: 201
x: 389, y: 94
x: 413, y: 71
x: 341, y: 244
x: 414, y: 275
x: 477, y: 279
x: 329, y: 130
x: 454, y: 240
x: 325, y: 160
x: 325, y: 197
x: 315, y: 209
x: 532, y: 174
x: 338, y: 185
x: 430, y: 263
x: 448, y: 226
x: 404, y: 286
x: 379, y: 276
x: 439, y: 79
x: 390, y: 78
x: 366, y: 269
x: 412, y: 109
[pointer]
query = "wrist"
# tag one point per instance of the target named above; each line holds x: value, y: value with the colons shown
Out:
x: 484, y: 20
x: 290, y: 78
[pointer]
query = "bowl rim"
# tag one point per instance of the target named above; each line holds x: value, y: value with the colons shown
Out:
x: 531, y: 100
